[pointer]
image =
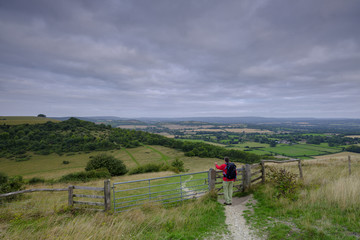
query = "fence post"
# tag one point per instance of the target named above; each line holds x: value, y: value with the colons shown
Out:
x: 71, y: 199
x: 263, y: 171
x: 349, y: 163
x: 247, y: 177
x: 300, y: 169
x: 107, y: 195
x: 211, y: 179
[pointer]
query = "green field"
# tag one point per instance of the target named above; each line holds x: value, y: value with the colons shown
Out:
x: 302, y: 150
x: 52, y: 167
x: 9, y: 120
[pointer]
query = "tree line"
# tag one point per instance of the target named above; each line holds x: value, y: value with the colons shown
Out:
x: 76, y: 135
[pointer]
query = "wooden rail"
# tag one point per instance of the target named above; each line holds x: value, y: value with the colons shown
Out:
x: 285, y: 161
x: 106, y: 190
x: 106, y: 194
x: 33, y: 190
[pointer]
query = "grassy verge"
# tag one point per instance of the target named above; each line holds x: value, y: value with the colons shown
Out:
x: 44, y: 216
x: 327, y: 206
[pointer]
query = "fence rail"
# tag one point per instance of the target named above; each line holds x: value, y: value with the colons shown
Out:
x: 106, y: 196
x: 33, y: 190
x: 168, y: 189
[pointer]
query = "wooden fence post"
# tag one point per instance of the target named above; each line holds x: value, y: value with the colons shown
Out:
x: 349, y: 163
x: 107, y: 195
x: 247, y: 177
x: 300, y: 169
x: 212, y: 178
x: 71, y: 199
x: 263, y: 171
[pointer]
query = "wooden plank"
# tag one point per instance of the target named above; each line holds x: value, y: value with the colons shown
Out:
x: 254, y: 180
x: 300, y: 169
x: 89, y: 203
x: 70, y: 196
x: 88, y: 196
x: 33, y: 190
x: 254, y: 173
x: 255, y: 165
x: 285, y: 161
x: 89, y: 188
x: 107, y: 195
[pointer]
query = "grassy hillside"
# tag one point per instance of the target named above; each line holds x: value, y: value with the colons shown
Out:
x: 325, y: 204
x: 9, y: 120
x: 51, y: 166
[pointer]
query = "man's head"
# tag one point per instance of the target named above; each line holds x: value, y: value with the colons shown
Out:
x: 226, y: 159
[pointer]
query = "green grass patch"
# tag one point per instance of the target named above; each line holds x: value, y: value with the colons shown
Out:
x: 163, y: 156
x: 132, y: 157
x: 302, y: 150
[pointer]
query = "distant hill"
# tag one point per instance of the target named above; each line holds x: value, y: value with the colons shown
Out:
x: 16, y: 120
x: 74, y: 135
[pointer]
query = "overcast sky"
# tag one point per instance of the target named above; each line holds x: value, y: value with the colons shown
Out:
x: 180, y: 58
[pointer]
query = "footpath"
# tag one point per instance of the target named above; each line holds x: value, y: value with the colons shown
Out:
x: 237, y: 226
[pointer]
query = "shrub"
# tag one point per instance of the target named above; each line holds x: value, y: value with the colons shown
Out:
x: 178, y: 165
x: 284, y: 182
x: 65, y: 162
x: 11, y: 184
x: 3, y: 178
x: 85, y: 176
x: 115, y: 166
x: 35, y: 180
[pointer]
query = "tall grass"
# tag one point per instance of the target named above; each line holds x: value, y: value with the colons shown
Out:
x: 327, y: 207
x: 46, y: 217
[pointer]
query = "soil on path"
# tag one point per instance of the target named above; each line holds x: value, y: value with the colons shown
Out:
x: 237, y: 226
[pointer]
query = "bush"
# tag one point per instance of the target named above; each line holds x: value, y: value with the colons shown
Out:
x: 115, y: 166
x: 65, y: 162
x: 284, y: 182
x: 3, y: 178
x: 11, y: 184
x: 85, y: 176
x: 35, y: 180
x: 178, y: 165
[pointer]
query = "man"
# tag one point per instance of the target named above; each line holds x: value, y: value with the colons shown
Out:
x: 228, y: 179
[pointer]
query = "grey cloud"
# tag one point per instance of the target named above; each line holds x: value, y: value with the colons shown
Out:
x: 180, y: 58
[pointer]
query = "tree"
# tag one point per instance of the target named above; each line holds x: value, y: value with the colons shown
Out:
x: 42, y: 115
x: 115, y: 166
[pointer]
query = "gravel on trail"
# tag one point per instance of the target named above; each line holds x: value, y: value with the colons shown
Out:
x: 237, y: 226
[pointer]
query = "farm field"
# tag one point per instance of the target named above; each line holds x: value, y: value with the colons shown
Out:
x: 9, y: 120
x: 302, y: 150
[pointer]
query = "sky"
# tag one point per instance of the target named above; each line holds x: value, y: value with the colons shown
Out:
x: 180, y: 58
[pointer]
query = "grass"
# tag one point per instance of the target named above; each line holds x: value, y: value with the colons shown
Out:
x: 302, y: 150
x: 45, y: 216
x: 51, y: 166
x: 9, y: 120
x: 327, y: 206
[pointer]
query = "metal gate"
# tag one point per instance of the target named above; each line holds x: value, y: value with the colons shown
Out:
x: 132, y: 194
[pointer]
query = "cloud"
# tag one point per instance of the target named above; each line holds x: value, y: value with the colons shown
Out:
x: 180, y: 58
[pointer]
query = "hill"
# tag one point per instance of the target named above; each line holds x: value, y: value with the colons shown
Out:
x: 75, y: 135
x: 17, y: 120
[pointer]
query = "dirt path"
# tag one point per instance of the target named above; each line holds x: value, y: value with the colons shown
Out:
x: 237, y: 226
